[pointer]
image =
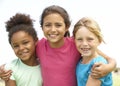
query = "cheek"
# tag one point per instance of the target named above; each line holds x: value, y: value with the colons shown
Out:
x: 16, y: 52
x: 44, y: 29
x: 78, y: 45
x: 95, y: 43
x: 32, y: 46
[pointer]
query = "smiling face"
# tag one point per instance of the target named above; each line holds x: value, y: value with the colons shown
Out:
x: 23, y: 45
x: 86, y: 42
x: 54, y: 29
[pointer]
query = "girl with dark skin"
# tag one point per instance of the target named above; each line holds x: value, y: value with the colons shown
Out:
x: 23, y: 39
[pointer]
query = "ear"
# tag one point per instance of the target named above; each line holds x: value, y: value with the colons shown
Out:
x: 36, y: 41
x: 66, y: 29
x: 99, y: 42
x: 41, y: 27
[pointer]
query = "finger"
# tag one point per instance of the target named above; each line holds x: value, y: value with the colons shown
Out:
x: 6, y: 76
x: 2, y: 68
x: 97, y: 64
x: 96, y: 76
x: 95, y: 70
x: 7, y: 73
x: 94, y: 73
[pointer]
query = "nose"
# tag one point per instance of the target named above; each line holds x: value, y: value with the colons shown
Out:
x: 53, y: 28
x: 85, y: 42
x: 21, y: 47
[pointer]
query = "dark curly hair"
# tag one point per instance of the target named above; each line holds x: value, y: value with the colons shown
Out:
x: 20, y: 22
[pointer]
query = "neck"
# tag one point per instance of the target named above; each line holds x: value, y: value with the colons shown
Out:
x: 86, y: 60
x: 57, y: 44
x: 31, y: 62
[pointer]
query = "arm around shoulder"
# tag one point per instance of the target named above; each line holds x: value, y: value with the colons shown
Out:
x: 111, y: 62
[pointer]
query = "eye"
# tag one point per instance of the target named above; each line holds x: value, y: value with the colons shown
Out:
x: 80, y: 39
x: 15, y: 46
x: 25, y: 42
x: 90, y: 39
x: 47, y: 25
x: 58, y: 25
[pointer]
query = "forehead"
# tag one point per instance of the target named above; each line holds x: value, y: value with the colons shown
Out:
x: 53, y: 17
x: 83, y: 31
x: 20, y: 35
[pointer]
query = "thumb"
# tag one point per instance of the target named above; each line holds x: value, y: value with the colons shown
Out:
x: 2, y: 67
x: 97, y: 64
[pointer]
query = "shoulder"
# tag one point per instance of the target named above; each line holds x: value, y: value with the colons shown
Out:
x: 41, y: 41
x: 70, y: 40
x: 100, y: 59
x: 11, y: 64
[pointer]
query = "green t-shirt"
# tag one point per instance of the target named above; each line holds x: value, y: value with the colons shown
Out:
x: 23, y: 74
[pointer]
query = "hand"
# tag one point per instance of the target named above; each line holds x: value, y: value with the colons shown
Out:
x: 99, y: 70
x: 4, y: 74
x: 1, y: 69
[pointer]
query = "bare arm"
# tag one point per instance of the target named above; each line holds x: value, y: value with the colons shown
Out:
x: 100, y: 69
x: 111, y: 61
x: 10, y: 83
x: 93, y: 82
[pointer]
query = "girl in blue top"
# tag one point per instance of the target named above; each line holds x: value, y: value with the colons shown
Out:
x: 87, y: 38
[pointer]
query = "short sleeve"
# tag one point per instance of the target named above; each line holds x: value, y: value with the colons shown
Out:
x: 102, y: 60
x: 8, y: 66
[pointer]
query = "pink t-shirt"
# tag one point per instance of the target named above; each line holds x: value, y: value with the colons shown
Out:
x: 58, y: 65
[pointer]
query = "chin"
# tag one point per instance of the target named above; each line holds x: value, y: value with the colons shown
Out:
x: 86, y: 55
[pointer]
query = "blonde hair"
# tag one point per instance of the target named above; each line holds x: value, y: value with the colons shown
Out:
x: 91, y: 25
